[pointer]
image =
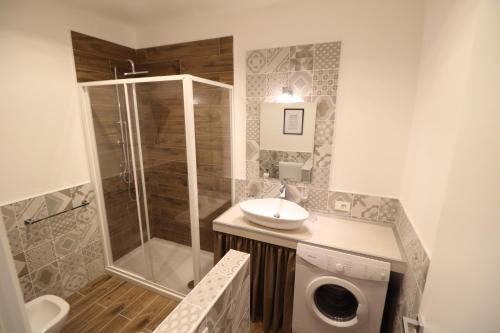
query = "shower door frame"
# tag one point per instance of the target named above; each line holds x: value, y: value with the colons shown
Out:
x: 95, y: 174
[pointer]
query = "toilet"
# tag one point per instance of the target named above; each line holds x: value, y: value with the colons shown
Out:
x: 47, y: 314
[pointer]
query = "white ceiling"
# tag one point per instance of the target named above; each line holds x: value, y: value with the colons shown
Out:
x: 140, y: 12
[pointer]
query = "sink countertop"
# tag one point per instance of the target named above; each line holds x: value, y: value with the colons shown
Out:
x: 367, y: 239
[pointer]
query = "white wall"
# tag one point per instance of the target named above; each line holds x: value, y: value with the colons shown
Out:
x: 446, y: 51
x: 381, y: 43
x: 462, y: 293
x: 41, y: 141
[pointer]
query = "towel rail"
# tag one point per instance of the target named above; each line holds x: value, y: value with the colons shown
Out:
x: 33, y: 221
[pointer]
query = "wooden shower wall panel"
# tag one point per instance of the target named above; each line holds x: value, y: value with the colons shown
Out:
x: 210, y: 58
x: 95, y: 58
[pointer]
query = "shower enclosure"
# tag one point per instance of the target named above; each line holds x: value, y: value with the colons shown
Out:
x: 160, y: 157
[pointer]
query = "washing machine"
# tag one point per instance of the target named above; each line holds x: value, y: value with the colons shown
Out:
x: 338, y: 292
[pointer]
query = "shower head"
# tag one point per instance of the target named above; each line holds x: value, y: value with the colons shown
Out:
x: 133, y: 72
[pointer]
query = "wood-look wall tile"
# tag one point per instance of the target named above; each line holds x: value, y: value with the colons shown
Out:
x: 226, y: 45
x: 209, y: 64
x: 100, y: 47
x: 199, y: 48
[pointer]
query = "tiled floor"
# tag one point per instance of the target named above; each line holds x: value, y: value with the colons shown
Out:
x: 110, y: 304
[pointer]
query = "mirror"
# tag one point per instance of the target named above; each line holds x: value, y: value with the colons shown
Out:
x: 287, y: 140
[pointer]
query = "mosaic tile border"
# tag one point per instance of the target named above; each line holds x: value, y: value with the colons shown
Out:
x: 219, y: 303
x: 61, y: 254
x: 362, y: 207
x: 413, y: 281
x: 312, y: 71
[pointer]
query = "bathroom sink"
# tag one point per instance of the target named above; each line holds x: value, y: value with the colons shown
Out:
x: 274, y: 213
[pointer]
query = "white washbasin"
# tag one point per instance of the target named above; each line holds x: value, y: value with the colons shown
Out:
x: 274, y: 213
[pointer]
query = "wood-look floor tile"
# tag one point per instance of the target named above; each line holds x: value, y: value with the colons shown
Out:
x: 74, y: 298
x: 146, y: 316
x: 138, y: 305
x: 115, y: 294
x: 94, y: 284
x: 79, y: 322
x: 114, y: 309
x: 93, y: 296
x: 162, y: 314
x: 115, y: 325
x: 111, y: 304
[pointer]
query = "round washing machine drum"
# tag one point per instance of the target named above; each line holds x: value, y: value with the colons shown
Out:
x: 336, y: 302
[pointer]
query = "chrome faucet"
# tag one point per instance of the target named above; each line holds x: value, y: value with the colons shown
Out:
x: 282, y: 190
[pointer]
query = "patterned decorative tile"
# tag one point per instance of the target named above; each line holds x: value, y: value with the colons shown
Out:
x: 320, y: 177
x: 302, y: 51
x: 253, y: 109
x: 95, y: 268
x: 241, y: 305
x: 20, y: 264
x: 252, y: 170
x: 208, y: 290
x: 389, y: 210
x: 47, y: 280
x: 324, y: 133
x: 254, y: 188
x: 252, y: 150
x: 217, y: 310
x: 275, y: 83
x: 34, y: 234
x: 87, y: 226
x: 40, y: 256
x: 62, y: 223
x: 339, y: 196
x: 9, y: 217
x: 325, y: 82
x: 73, y: 273
x: 270, y: 188
x: 325, y: 108
x: 27, y: 288
x: 67, y: 243
x: 301, y: 83
x: 15, y: 242
x: 317, y: 199
x: 256, y: 85
x: 240, y: 189
x: 58, y: 202
x: 322, y: 156
x: 92, y: 251
x: 327, y: 55
x: 34, y: 208
x: 231, y: 263
x: 365, y: 207
x: 253, y: 130
x: 82, y: 193
x: 256, y: 61
x: 181, y: 319
x: 278, y: 60
x: 302, y: 64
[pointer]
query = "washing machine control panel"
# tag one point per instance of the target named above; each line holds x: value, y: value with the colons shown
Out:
x: 360, y: 270
x: 344, y: 264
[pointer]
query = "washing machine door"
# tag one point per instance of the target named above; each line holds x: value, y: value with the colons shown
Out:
x: 337, y: 302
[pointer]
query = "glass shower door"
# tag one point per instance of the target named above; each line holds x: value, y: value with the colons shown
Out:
x: 212, y: 118
x: 158, y: 108
x: 120, y: 186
